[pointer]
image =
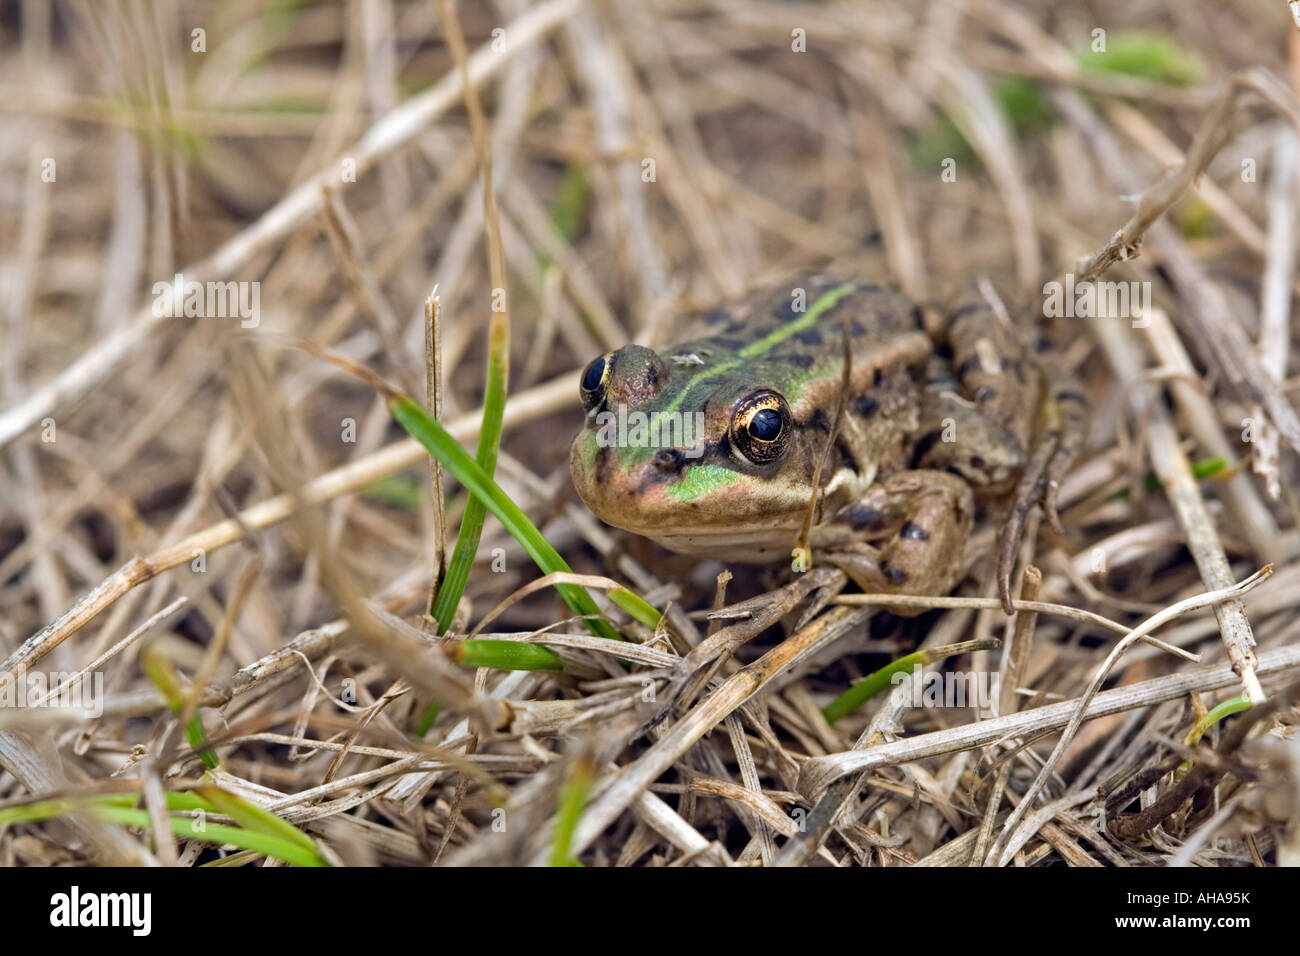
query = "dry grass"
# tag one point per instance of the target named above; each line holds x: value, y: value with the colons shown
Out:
x: 251, y: 515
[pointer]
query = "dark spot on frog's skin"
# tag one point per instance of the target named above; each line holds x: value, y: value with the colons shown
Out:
x: 1044, y: 344
x: 985, y: 393
x: 924, y: 444
x: 798, y: 360
x: 857, y: 329
x: 670, y: 463
x: 977, y: 462
x: 602, y: 464
x: 717, y: 316
x: 897, y: 575
x: 819, y: 420
x: 786, y: 313
x: 914, y: 532
x: 865, y: 516
x: 668, y: 460
x: 865, y: 405
x: 808, y: 337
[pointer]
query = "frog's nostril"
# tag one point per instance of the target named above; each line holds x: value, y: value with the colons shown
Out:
x: 668, y: 460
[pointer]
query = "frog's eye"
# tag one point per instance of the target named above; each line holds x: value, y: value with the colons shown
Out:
x: 594, y: 379
x: 760, y: 428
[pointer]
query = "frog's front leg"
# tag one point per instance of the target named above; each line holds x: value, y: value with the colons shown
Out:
x: 905, y: 535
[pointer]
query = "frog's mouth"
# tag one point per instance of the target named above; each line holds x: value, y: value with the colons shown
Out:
x: 758, y: 545
x: 702, y: 509
x: 688, y: 528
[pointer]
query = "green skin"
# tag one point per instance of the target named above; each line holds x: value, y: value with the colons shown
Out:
x: 929, y: 419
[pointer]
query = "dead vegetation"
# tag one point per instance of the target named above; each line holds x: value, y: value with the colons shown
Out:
x: 196, y: 497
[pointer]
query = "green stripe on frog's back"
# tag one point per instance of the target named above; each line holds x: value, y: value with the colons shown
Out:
x: 820, y: 306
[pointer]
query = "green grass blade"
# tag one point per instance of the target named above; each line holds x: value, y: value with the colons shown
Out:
x: 874, y: 683
x: 637, y: 607
x: 1026, y: 108
x: 159, y: 670
x: 49, y: 809
x: 571, y: 201
x: 572, y: 799
x: 456, y: 577
x: 218, y: 834
x: 1149, y: 56
x: 186, y: 800
x: 1226, y: 708
x: 1205, y: 468
x: 252, y: 817
x: 1233, y: 705
x: 870, y: 686
x: 427, y: 719
x: 421, y: 426
x: 505, y: 655
x: 278, y: 839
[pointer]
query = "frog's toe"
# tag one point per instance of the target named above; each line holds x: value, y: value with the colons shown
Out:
x: 862, y: 564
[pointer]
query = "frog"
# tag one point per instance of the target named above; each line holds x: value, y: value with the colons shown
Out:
x: 832, y: 418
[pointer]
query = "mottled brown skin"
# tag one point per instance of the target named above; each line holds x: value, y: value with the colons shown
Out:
x: 930, y: 419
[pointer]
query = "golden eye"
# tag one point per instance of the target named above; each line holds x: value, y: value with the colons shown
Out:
x: 760, y: 427
x: 594, y: 379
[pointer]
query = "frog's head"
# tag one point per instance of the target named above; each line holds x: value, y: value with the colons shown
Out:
x: 703, y: 455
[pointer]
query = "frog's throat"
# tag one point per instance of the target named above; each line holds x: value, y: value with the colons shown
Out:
x: 758, y: 541
x: 755, y: 546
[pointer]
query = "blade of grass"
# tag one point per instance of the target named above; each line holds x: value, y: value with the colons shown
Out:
x: 1225, y: 708
x: 456, y: 575
x: 471, y: 525
x: 570, y: 205
x: 874, y: 683
x: 1233, y: 705
x: 425, y: 429
x: 49, y: 809
x: 160, y: 671
x: 278, y: 839
x: 505, y: 655
x: 572, y: 799
x: 1217, y: 467
x: 219, y: 834
x: 421, y: 426
x: 252, y: 817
